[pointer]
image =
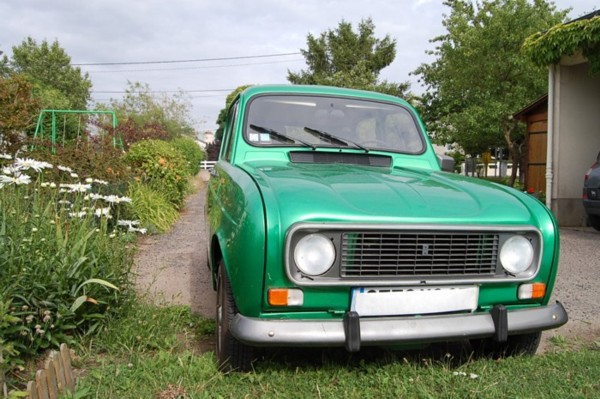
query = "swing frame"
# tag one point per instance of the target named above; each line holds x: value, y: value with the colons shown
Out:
x: 40, y: 130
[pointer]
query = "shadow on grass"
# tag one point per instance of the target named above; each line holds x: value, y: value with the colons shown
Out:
x: 452, y: 354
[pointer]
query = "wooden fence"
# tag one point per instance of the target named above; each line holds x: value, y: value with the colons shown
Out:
x: 55, y: 378
x: 207, y: 164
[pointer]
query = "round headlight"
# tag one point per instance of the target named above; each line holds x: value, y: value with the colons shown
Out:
x: 314, y: 254
x: 516, y: 254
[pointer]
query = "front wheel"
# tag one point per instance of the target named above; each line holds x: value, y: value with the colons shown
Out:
x: 231, y: 353
x: 523, y: 344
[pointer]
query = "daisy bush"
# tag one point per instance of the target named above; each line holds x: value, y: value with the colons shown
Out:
x: 65, y: 255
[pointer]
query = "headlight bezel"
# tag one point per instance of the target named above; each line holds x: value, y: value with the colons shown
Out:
x: 312, y: 246
x: 511, y: 257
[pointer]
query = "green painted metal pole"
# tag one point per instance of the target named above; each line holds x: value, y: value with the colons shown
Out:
x: 53, y: 132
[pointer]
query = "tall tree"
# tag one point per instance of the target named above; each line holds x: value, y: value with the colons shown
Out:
x: 345, y: 58
x: 223, y: 113
x: 480, y: 76
x: 144, y: 108
x: 49, y: 68
x: 18, y: 109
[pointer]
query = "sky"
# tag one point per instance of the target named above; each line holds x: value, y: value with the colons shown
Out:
x: 257, y: 41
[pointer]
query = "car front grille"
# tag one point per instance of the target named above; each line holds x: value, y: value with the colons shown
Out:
x: 413, y: 254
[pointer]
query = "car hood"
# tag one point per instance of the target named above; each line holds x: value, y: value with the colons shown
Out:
x: 351, y: 193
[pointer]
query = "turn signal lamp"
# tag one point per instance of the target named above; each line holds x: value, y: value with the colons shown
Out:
x: 285, y: 297
x: 532, y: 291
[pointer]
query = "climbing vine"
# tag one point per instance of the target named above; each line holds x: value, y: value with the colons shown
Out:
x: 545, y: 48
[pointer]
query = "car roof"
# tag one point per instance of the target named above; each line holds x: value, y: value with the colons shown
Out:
x: 320, y: 90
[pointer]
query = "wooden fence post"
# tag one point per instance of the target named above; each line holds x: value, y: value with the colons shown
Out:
x: 55, y: 378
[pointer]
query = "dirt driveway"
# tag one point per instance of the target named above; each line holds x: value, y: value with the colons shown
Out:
x: 171, y: 269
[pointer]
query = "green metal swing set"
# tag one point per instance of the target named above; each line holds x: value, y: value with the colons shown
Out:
x: 53, y: 113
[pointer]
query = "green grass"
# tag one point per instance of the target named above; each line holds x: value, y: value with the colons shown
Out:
x: 152, y: 208
x: 153, y: 352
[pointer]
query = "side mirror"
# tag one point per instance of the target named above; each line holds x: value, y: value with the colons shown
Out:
x: 446, y: 163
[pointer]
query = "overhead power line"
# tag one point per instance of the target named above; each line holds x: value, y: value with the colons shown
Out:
x: 184, y: 61
x: 196, y: 67
x: 161, y: 91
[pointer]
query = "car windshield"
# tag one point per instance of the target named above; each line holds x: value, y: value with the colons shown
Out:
x: 337, y: 122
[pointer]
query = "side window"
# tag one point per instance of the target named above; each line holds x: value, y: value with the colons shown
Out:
x: 230, y: 131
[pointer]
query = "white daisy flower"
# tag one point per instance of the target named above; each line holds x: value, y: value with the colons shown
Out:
x: 76, y: 188
x: 94, y: 196
x: 16, y: 180
x: 110, y: 198
x: 77, y: 214
x: 11, y: 170
x: 103, y: 212
x: 65, y: 169
x: 115, y: 199
x: 74, y: 175
x: 5, y: 156
x: 128, y: 223
x: 28, y: 163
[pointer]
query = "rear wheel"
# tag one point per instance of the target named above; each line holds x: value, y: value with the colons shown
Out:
x: 231, y: 353
x: 594, y: 221
x: 523, y: 344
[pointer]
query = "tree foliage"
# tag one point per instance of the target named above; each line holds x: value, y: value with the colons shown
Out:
x: 545, y: 48
x: 223, y: 113
x: 345, y: 58
x: 480, y: 77
x: 18, y: 108
x: 56, y: 82
x: 150, y: 112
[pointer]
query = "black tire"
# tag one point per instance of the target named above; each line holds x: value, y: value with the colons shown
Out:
x: 232, y: 355
x: 594, y: 221
x: 524, y: 344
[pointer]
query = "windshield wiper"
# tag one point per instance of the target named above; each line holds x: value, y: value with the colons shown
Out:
x: 281, y: 137
x: 333, y: 139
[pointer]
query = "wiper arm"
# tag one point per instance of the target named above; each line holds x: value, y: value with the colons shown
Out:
x: 333, y: 139
x: 280, y: 136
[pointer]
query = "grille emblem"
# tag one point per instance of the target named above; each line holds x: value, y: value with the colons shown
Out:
x: 425, y: 250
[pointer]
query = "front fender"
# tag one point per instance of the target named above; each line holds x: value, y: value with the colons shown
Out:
x: 237, y: 234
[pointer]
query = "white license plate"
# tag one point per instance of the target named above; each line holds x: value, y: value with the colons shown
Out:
x: 396, y: 301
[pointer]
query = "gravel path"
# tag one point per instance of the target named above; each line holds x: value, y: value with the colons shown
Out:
x: 578, y: 284
x: 171, y: 269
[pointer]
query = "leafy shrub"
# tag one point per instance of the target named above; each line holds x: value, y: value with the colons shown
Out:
x: 191, y: 151
x: 152, y: 209
x: 93, y: 157
x: 63, y: 264
x: 132, y: 132
x: 212, y: 150
x: 158, y: 164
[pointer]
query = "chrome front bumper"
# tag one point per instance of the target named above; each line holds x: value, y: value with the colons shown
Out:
x: 393, y: 330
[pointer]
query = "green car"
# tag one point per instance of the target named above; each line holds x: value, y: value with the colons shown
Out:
x: 331, y: 223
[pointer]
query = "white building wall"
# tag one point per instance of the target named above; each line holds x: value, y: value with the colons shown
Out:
x: 576, y: 138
